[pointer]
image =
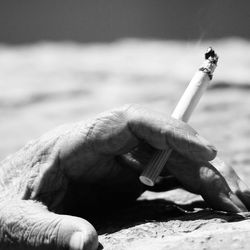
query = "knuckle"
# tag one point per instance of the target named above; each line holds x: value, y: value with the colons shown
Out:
x: 182, y: 127
x: 130, y: 106
x: 133, y: 108
x: 128, y: 112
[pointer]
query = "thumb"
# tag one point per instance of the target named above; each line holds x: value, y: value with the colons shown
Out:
x: 29, y: 225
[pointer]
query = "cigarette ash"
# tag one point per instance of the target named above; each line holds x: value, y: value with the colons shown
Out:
x: 211, y: 55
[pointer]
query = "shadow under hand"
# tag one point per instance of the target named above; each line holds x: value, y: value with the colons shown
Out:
x: 159, y: 210
x: 109, y: 219
x: 112, y: 213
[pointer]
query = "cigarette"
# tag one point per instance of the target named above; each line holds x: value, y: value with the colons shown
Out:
x: 183, y: 111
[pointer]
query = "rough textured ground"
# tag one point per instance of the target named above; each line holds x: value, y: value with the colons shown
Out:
x: 44, y: 85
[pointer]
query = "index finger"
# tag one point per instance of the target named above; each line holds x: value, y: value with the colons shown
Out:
x: 162, y: 132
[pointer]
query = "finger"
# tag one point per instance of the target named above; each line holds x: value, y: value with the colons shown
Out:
x: 140, y: 156
x: 29, y: 225
x: 234, y: 181
x: 215, y: 190
x: 161, y: 132
x: 205, y: 180
x: 244, y: 193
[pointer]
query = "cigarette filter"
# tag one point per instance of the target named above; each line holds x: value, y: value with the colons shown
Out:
x: 183, y: 111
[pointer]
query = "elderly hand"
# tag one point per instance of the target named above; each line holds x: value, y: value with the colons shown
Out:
x: 82, y: 167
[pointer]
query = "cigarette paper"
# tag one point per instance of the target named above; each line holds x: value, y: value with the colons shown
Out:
x: 183, y: 111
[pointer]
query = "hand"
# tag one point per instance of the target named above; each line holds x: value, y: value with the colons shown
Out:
x: 82, y: 166
x: 215, y: 181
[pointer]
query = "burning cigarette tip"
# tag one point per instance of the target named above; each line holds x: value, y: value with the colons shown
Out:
x: 210, y: 62
x: 211, y: 55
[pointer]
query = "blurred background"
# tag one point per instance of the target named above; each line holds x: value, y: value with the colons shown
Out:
x: 101, y: 21
x: 63, y: 61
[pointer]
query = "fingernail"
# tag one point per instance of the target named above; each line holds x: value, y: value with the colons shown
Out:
x: 238, y: 203
x: 206, y: 143
x: 76, y: 241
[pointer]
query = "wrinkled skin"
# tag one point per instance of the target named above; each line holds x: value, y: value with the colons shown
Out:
x: 88, y: 166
